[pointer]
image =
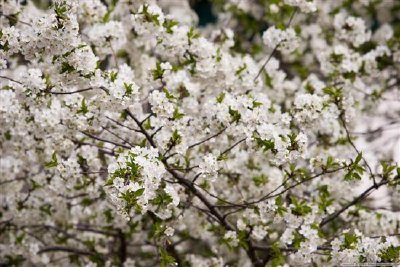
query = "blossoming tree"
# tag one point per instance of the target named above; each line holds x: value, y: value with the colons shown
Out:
x: 131, y: 137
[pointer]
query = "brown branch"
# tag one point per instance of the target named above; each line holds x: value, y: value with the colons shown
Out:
x: 232, y: 147
x: 207, y: 139
x: 68, y: 250
x: 355, y: 148
x: 11, y: 79
x: 251, y: 253
x: 142, y: 129
x: 275, y: 48
x: 79, y: 91
x: 353, y: 202
x: 105, y: 140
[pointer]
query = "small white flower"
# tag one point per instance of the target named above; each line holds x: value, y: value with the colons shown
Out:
x: 169, y: 231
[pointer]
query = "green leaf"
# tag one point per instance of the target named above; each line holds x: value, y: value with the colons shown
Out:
x: 66, y: 68
x: 175, y: 139
x: 84, y: 108
x: 177, y: 115
x: 350, y: 76
x: 138, y: 192
x: 358, y: 158
x: 113, y: 76
x: 153, y: 18
x: 280, y: 204
x: 46, y: 208
x: 235, y: 115
x: 166, y: 260
x: 222, y: 157
x: 239, y: 71
x: 355, y: 170
x: 7, y: 135
x: 147, y: 124
x: 220, y: 97
x: 218, y: 55
x: 300, y: 207
x: 61, y: 9
x: 108, y: 215
x: 265, y: 144
x: 277, y: 257
x: 335, y: 93
x: 168, y: 94
x: 336, y: 58
x: 268, y: 80
x: 53, y: 162
x: 390, y: 254
x: 297, y: 239
x: 158, y: 72
x: 260, y: 180
x: 20, y: 238
x: 192, y: 35
x: 162, y: 199
x: 109, y: 181
x: 256, y: 104
x: 169, y: 24
x: 350, y: 241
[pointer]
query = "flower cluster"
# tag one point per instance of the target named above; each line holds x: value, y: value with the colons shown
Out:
x: 133, y: 135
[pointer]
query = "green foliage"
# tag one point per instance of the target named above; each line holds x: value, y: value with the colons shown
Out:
x: 84, y: 108
x: 66, y: 68
x: 330, y: 164
x: 268, y: 80
x: 166, y: 259
x: 108, y: 215
x: 218, y: 55
x: 175, y: 139
x: 297, y: 239
x: 351, y: 75
x: 153, y: 18
x: 300, y: 207
x: 158, y: 72
x: 177, y: 115
x: 325, y: 199
x: 147, y: 124
x: 53, y: 162
x: 239, y: 71
x: 113, y: 75
x: 265, y: 144
x: 280, y: 204
x: 390, y: 254
x: 111, y: 7
x: 350, y: 241
x: 131, y: 198
x: 168, y: 95
x: 220, y: 97
x: 387, y: 169
x: 260, y: 180
x: 61, y: 9
x: 162, y: 199
x: 13, y: 260
x: 7, y: 135
x: 335, y: 93
x: 243, y: 237
x: 169, y: 24
x: 46, y: 209
x: 192, y: 34
x: 277, y: 257
x: 256, y: 104
x: 336, y: 58
x: 355, y: 170
x: 235, y: 115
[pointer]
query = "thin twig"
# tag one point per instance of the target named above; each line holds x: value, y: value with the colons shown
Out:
x: 276, y: 47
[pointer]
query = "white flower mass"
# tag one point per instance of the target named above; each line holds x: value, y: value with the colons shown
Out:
x: 148, y: 133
